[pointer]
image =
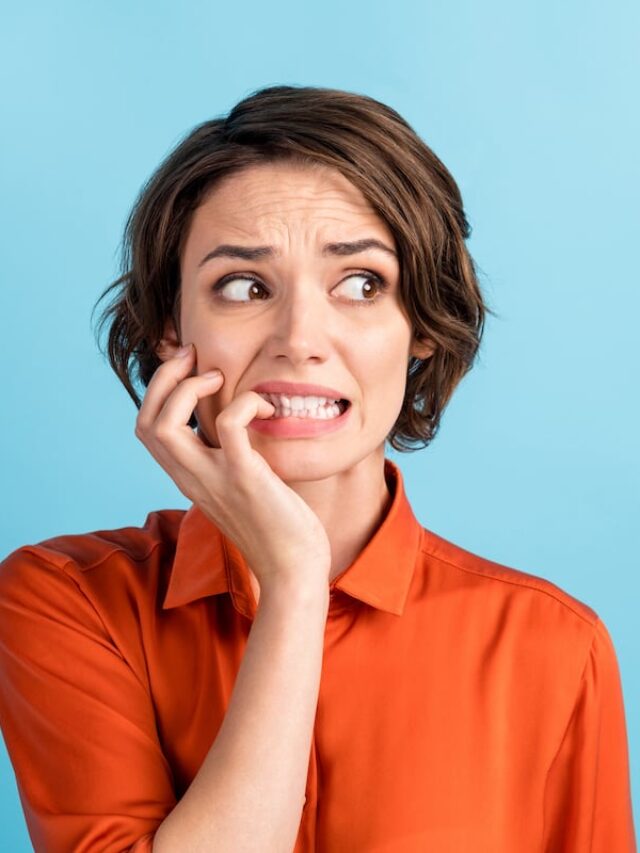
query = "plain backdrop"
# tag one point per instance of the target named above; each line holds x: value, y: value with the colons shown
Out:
x: 533, y: 108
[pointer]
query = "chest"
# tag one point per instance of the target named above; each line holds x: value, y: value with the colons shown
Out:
x: 418, y: 744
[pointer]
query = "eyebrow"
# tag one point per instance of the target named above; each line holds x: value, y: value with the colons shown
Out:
x: 253, y: 253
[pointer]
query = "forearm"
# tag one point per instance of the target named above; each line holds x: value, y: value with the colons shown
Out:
x: 249, y: 792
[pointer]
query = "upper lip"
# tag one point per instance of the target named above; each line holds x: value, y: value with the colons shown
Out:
x: 299, y: 389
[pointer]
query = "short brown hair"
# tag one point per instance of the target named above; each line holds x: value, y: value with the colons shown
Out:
x: 398, y: 174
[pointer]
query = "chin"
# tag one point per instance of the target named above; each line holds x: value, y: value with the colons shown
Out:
x: 302, y: 461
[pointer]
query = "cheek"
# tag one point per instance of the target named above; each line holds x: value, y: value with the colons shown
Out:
x: 383, y: 354
x: 220, y: 351
x: 381, y: 366
x: 217, y: 348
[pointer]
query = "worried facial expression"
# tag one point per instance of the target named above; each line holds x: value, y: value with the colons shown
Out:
x: 301, y: 306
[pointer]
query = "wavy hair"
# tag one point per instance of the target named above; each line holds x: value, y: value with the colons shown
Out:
x: 399, y: 175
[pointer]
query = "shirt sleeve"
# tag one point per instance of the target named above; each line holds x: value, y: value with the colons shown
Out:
x: 588, y: 796
x: 78, y: 722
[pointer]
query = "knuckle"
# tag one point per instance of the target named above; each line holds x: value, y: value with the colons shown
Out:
x: 163, y: 433
x: 139, y: 429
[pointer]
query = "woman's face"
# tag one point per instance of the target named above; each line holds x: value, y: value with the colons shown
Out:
x: 299, y: 311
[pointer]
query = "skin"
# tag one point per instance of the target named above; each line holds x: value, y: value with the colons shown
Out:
x: 300, y: 326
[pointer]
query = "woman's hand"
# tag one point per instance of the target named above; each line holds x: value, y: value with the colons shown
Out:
x: 281, y: 538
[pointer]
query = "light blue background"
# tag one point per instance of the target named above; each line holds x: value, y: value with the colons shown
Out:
x: 532, y: 106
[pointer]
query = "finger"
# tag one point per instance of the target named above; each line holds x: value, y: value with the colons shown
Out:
x: 171, y: 428
x: 233, y: 421
x: 166, y: 378
x: 170, y: 438
x: 180, y: 404
x: 174, y: 445
x: 185, y: 456
x: 202, y: 437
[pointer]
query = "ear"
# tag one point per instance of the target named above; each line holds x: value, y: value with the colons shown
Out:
x: 169, y: 342
x: 422, y: 347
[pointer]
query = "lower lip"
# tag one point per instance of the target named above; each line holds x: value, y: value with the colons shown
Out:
x: 299, y: 427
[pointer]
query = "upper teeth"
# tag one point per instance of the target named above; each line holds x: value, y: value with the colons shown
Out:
x: 297, y: 403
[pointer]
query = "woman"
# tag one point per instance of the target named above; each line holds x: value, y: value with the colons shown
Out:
x: 295, y: 663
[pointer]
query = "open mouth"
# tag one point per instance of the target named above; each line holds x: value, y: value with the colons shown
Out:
x: 315, y: 411
x: 329, y: 412
x: 318, y: 419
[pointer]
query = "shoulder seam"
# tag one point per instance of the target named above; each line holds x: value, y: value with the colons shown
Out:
x: 520, y: 583
x: 39, y: 547
x: 71, y: 577
x: 572, y: 714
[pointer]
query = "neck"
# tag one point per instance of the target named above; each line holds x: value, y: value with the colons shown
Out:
x: 360, y: 495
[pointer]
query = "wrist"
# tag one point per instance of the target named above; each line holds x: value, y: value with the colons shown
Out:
x: 296, y: 591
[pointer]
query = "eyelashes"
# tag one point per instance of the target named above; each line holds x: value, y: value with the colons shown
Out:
x: 373, y: 279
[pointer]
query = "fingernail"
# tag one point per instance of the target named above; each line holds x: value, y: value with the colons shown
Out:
x: 185, y: 350
x: 211, y: 373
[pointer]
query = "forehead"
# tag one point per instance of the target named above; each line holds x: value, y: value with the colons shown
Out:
x: 275, y: 201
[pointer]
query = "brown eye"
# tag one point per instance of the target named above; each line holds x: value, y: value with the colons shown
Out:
x: 368, y: 284
x: 240, y: 285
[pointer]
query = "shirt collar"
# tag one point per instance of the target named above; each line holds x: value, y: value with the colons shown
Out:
x: 206, y: 562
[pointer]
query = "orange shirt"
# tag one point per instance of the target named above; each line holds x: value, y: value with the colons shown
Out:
x: 464, y: 707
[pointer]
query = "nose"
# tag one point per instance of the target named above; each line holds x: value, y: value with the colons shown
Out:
x: 299, y: 326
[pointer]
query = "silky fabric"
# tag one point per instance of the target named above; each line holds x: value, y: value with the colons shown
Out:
x: 464, y: 706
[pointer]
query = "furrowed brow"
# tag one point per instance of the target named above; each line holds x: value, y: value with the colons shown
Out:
x: 254, y: 253
x: 245, y: 253
x: 356, y: 246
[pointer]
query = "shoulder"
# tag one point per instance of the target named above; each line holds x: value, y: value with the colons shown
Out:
x: 87, y: 551
x: 107, y: 567
x: 517, y: 614
x: 535, y: 637
x: 470, y: 570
